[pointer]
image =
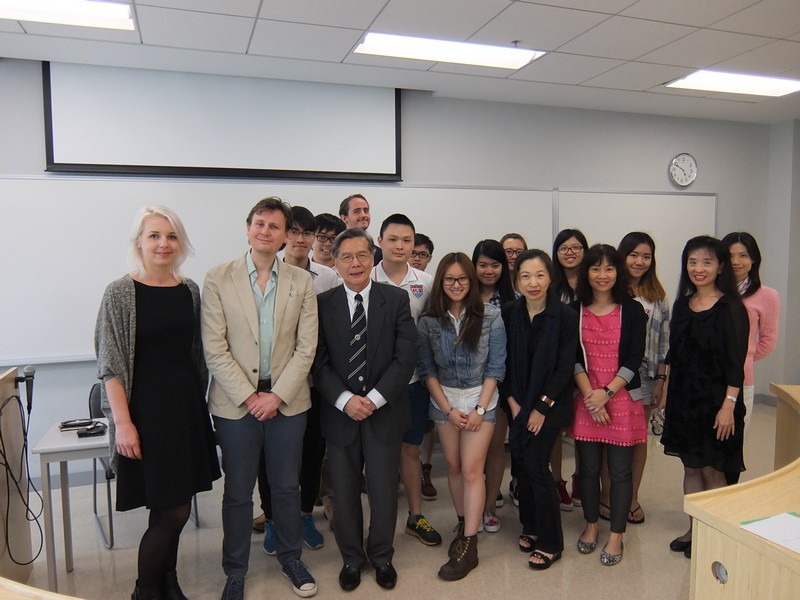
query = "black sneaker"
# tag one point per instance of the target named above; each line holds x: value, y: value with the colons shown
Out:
x: 303, y: 583
x: 423, y: 531
x: 234, y: 588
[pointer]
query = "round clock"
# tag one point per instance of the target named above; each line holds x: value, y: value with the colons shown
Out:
x: 683, y: 169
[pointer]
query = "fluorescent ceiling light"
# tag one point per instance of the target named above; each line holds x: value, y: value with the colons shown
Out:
x: 734, y: 83
x: 82, y: 13
x: 400, y: 46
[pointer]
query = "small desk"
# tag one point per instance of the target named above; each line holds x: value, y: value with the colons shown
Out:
x: 62, y: 447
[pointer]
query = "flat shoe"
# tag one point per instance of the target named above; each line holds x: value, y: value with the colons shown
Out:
x: 632, y: 516
x: 679, y: 545
x: 607, y: 515
x: 586, y: 547
x: 546, y: 560
x: 610, y: 560
x: 526, y: 542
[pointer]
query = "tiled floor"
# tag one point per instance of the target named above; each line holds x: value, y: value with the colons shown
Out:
x: 649, y: 570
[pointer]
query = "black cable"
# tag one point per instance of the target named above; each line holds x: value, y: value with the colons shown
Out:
x: 17, y: 480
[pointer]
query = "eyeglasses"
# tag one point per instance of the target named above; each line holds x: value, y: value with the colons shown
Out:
x: 306, y: 234
x: 513, y: 252
x: 657, y: 422
x: 564, y: 250
x: 325, y: 238
x: 423, y: 255
x: 361, y: 257
x: 451, y: 281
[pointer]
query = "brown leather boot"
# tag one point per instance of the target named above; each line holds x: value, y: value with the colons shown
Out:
x: 459, y: 531
x: 463, y: 560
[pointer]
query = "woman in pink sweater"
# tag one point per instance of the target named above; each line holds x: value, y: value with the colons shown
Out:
x: 763, y: 308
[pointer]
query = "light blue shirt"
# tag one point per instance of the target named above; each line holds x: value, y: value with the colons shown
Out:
x: 265, y: 305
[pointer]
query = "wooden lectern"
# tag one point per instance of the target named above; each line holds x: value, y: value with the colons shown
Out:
x: 731, y: 563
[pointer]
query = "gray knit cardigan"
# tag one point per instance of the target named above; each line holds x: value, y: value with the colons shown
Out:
x: 115, y: 344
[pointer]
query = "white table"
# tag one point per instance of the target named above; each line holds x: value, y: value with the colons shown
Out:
x: 62, y: 447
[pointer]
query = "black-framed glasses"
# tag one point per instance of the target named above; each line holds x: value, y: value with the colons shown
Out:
x: 451, y: 281
x: 564, y: 250
x: 513, y: 252
x: 306, y: 234
x: 423, y: 255
x: 325, y: 238
x: 657, y: 422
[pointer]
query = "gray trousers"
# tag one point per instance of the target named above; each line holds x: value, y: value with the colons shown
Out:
x: 242, y: 441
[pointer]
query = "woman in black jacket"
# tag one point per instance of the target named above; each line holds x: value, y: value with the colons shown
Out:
x: 542, y: 336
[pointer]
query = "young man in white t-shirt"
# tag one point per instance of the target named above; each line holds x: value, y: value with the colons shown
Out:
x: 397, y: 240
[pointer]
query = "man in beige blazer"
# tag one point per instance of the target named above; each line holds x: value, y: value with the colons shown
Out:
x: 259, y: 326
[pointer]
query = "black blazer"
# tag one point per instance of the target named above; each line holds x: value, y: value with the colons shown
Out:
x: 391, y: 359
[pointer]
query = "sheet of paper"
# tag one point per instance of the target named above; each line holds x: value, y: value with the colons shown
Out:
x: 783, y: 529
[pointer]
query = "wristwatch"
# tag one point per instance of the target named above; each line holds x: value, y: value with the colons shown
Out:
x: 480, y: 410
x: 548, y: 401
x: 609, y: 392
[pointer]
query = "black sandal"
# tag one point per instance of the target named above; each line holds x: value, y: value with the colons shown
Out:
x: 632, y: 518
x: 529, y: 540
x: 601, y: 515
x: 546, y: 560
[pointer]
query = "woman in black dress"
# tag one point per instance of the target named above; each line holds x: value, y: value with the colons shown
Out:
x: 704, y: 409
x: 150, y: 360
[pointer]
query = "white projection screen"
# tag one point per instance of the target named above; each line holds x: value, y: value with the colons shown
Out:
x: 136, y: 121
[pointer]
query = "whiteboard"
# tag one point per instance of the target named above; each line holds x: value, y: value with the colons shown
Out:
x: 65, y: 238
x: 670, y: 219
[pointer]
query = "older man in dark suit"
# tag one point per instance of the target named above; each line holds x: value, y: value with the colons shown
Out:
x: 366, y: 354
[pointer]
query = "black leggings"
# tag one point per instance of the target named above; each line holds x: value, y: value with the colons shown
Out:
x: 158, y: 549
x: 620, y: 459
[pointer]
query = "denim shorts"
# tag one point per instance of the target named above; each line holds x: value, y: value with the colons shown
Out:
x: 463, y: 400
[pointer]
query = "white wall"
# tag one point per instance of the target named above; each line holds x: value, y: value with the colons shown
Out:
x: 752, y: 168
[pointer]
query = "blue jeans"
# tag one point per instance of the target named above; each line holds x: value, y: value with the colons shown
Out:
x: 242, y: 441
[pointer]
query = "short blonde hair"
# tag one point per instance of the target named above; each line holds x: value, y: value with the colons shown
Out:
x: 135, y: 253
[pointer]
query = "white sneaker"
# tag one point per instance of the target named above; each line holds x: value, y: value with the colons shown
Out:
x: 490, y: 523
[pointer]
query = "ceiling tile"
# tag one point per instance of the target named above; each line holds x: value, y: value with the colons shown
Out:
x: 84, y: 33
x: 187, y: 29
x: 470, y: 70
x: 357, y: 14
x: 772, y: 59
x: 555, y: 67
x: 686, y: 12
x: 625, y: 38
x: 10, y: 26
x: 637, y: 76
x: 610, y: 7
x: 772, y: 18
x: 310, y: 42
x: 443, y: 19
x: 241, y: 8
x: 703, y: 48
x: 537, y: 27
x: 388, y: 62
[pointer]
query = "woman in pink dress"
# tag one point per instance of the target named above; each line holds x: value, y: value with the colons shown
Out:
x: 609, y: 417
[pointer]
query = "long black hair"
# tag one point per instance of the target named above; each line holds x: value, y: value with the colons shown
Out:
x: 594, y: 257
x: 725, y: 282
x: 560, y: 283
x: 650, y: 287
x: 749, y: 242
x: 493, y: 250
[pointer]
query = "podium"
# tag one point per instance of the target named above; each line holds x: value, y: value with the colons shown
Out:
x: 13, y: 497
x: 731, y: 563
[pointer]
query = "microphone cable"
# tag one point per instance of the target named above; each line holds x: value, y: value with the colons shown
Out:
x: 23, y: 469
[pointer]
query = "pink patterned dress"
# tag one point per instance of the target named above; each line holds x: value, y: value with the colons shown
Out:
x: 600, y: 337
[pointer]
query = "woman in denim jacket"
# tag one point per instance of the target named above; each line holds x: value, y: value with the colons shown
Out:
x: 462, y: 354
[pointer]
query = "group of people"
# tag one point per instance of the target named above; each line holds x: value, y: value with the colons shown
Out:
x: 329, y: 357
